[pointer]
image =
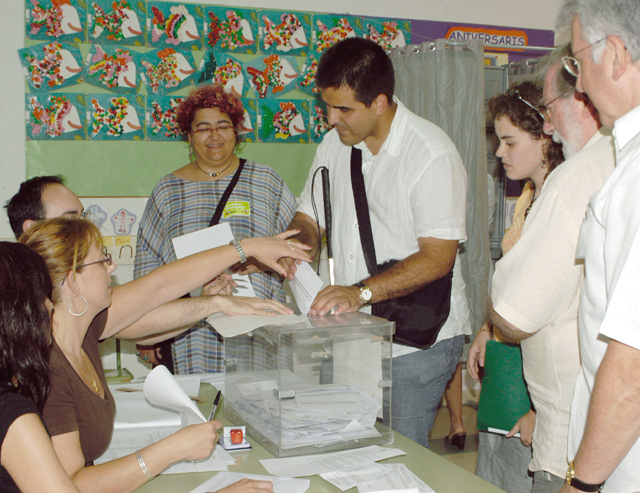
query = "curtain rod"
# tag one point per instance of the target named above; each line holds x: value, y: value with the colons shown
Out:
x: 432, y: 44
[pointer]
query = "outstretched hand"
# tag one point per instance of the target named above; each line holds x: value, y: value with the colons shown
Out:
x: 343, y: 298
x: 241, y: 305
x: 270, y: 249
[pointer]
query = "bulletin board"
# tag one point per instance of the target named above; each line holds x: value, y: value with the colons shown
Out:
x: 101, y: 85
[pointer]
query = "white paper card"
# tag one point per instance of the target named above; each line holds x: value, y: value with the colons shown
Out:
x: 280, y: 485
x: 305, y: 286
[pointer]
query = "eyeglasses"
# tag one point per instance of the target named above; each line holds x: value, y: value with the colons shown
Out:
x: 545, y: 110
x: 534, y: 108
x: 571, y: 64
x: 106, y: 260
x: 220, y: 128
x: 86, y: 214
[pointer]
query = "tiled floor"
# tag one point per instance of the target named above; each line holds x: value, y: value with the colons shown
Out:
x: 464, y: 458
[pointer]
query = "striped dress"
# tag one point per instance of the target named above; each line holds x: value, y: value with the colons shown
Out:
x: 260, y: 205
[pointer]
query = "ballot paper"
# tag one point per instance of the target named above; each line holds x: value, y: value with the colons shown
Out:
x: 305, y: 286
x: 230, y: 326
x: 350, y: 478
x: 310, y: 465
x: 214, y: 236
x: 399, y: 479
x: 297, y: 414
x: 280, y: 485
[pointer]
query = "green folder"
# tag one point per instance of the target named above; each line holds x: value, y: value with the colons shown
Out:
x: 504, y: 398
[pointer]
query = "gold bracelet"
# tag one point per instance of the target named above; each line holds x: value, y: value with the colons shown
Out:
x: 143, y: 466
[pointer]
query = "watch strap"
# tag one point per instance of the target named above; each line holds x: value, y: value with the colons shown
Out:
x: 581, y: 485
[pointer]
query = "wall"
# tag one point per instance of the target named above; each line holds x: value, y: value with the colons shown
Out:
x: 520, y: 13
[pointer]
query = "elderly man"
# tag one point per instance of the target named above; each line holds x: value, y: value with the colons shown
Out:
x: 605, y: 415
x: 536, y: 286
x: 415, y: 186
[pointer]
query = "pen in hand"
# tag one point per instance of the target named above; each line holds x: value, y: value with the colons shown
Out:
x: 215, y: 405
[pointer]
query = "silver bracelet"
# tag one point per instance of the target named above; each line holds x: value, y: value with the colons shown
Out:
x: 143, y: 466
x: 243, y: 257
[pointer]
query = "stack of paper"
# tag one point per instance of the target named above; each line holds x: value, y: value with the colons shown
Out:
x: 305, y: 414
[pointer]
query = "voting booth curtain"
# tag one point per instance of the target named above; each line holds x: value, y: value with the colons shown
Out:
x: 443, y: 82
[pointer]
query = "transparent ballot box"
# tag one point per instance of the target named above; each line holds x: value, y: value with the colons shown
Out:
x: 320, y: 385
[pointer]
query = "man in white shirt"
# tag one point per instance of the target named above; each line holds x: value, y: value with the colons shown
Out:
x: 536, y: 286
x: 416, y: 187
x: 605, y: 414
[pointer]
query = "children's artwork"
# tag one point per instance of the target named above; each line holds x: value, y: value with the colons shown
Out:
x: 123, y: 221
x: 272, y: 74
x: 96, y: 214
x: 233, y: 30
x: 247, y: 130
x: 116, y: 21
x: 161, y: 118
x: 174, y: 25
x: 284, y: 32
x: 219, y: 68
x: 62, y: 20
x: 282, y: 120
x: 329, y: 29
x: 167, y: 70
x: 319, y: 124
x: 307, y: 80
x: 51, y: 65
x: 112, y: 117
x: 114, y: 68
x: 57, y: 116
x: 388, y: 33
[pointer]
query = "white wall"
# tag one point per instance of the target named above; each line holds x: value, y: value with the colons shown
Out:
x: 516, y: 13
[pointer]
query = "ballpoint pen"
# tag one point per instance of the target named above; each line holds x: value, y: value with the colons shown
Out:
x: 215, y: 405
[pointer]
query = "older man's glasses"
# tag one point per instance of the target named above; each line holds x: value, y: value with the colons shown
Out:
x: 571, y: 64
x: 546, y: 110
x: 106, y: 260
x: 534, y: 108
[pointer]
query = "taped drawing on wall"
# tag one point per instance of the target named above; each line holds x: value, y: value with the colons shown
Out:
x: 117, y: 21
x: 59, y: 116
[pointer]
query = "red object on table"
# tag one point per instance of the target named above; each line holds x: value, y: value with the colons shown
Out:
x: 236, y: 436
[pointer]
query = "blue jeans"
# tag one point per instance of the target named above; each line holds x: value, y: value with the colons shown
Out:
x: 419, y: 381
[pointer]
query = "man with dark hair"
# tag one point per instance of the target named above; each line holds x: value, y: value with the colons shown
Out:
x: 40, y: 198
x: 416, y: 187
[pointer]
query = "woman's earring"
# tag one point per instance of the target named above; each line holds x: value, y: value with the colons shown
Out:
x: 190, y: 153
x: 545, y: 162
x: 78, y: 314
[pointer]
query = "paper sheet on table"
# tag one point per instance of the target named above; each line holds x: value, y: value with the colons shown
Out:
x: 399, y: 479
x: 305, y: 286
x: 351, y: 478
x: 230, y: 326
x: 311, y: 465
x: 161, y: 389
x: 126, y: 441
x: 280, y: 485
x: 133, y: 410
x: 214, y: 236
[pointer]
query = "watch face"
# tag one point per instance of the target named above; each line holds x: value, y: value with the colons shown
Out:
x: 366, y: 294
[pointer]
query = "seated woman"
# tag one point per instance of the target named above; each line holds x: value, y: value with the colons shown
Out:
x: 80, y: 410
x: 527, y: 153
x: 251, y: 197
x: 27, y: 460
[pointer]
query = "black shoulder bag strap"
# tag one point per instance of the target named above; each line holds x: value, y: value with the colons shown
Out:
x: 225, y: 196
x: 362, y: 211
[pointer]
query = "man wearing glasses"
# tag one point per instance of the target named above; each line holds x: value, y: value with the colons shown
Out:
x: 605, y: 415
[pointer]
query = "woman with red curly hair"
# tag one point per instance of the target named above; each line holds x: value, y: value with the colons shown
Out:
x: 259, y: 204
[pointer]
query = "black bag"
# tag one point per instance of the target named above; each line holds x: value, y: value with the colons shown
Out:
x: 419, y: 316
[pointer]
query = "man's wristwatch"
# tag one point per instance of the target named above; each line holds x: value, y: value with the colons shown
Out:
x: 580, y: 485
x: 365, y: 293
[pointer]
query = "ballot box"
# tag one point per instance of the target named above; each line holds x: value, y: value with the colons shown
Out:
x: 321, y: 384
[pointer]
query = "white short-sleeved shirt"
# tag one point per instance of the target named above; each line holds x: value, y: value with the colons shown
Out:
x: 536, y: 287
x: 609, y: 307
x: 416, y: 188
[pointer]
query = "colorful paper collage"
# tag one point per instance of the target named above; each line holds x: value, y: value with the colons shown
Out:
x: 218, y: 67
x: 161, y: 118
x: 116, y: 21
x: 232, y: 30
x: 283, y: 120
x: 248, y: 130
x: 167, y: 70
x: 272, y: 74
x: 59, y: 116
x: 174, y: 25
x: 61, y: 20
x: 286, y: 33
x: 318, y: 124
x: 111, y: 117
x: 51, y: 65
x: 388, y: 33
x: 307, y: 80
x: 329, y: 29
x: 113, y: 67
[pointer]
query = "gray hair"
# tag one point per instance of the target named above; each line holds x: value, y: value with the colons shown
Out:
x: 564, y: 83
x: 602, y: 18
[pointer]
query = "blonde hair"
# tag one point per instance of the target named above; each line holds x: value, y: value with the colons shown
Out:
x: 63, y: 243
